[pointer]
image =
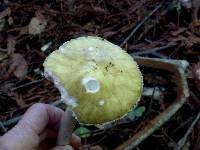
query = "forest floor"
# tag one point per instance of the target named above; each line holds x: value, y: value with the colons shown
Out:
x: 31, y: 30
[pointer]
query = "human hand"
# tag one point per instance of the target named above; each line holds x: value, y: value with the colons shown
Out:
x: 37, y: 130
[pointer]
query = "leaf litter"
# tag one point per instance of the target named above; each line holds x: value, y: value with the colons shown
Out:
x: 27, y: 26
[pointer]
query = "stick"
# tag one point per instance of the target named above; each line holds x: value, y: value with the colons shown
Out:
x: 154, y: 50
x: 139, y: 25
x: 27, y: 84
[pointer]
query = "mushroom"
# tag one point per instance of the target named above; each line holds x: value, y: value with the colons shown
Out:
x: 97, y: 80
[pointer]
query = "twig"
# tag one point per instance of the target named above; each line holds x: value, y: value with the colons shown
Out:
x: 139, y: 25
x: 160, y: 55
x: 154, y: 50
x: 27, y: 84
x: 183, y: 140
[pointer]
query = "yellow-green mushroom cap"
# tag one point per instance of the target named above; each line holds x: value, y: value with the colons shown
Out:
x: 99, y: 80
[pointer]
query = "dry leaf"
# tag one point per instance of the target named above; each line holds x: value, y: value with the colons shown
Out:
x: 18, y: 65
x: 109, y: 34
x: 99, y: 11
x: 37, y: 24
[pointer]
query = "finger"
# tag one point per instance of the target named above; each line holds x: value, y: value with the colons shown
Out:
x: 50, y: 135
x: 25, y: 134
x: 40, y: 115
x: 75, y: 141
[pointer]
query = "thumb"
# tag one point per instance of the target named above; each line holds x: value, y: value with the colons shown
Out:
x: 66, y: 147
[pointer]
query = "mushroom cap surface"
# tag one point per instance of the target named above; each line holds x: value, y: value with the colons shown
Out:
x: 98, y: 79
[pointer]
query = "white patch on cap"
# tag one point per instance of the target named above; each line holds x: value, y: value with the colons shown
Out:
x: 71, y: 102
x: 65, y: 97
x: 91, y: 84
x: 90, y: 48
x: 61, y: 49
x: 101, y: 102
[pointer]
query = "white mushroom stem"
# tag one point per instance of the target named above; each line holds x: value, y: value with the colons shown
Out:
x: 91, y: 84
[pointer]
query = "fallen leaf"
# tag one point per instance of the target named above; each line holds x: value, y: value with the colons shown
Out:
x: 18, y: 65
x: 109, y: 34
x: 37, y: 24
x: 99, y: 11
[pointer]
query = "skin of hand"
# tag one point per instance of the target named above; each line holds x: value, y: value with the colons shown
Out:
x: 37, y: 130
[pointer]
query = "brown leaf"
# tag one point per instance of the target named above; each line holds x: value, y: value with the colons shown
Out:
x: 37, y: 24
x: 99, y: 11
x: 18, y: 66
x: 109, y: 34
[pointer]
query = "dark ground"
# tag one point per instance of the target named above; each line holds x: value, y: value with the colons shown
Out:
x: 26, y: 26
